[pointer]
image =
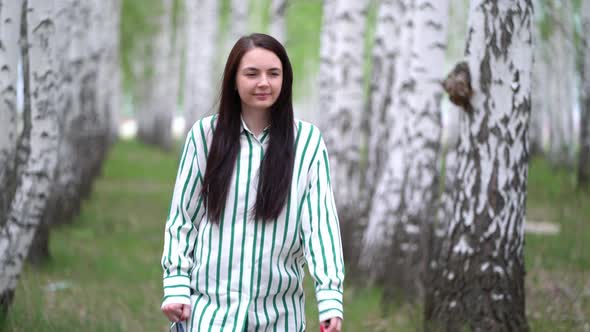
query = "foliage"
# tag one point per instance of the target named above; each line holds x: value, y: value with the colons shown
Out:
x: 136, y: 26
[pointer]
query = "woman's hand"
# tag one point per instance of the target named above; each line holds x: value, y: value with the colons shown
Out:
x: 177, y: 312
x: 332, y: 325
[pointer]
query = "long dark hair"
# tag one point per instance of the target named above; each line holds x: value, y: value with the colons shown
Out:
x: 277, y: 166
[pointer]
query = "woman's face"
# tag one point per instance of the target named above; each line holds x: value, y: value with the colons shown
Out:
x: 259, y: 79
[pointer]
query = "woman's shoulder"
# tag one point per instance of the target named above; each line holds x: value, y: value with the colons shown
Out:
x: 305, y: 128
x: 308, y: 134
x: 204, y: 125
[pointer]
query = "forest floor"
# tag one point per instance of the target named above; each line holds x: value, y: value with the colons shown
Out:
x: 104, y: 274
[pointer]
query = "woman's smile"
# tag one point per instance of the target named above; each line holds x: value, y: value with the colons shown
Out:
x: 262, y: 96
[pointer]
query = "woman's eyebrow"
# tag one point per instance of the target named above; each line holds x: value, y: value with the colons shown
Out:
x: 256, y: 69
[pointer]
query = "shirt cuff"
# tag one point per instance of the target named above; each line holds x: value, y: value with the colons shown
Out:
x: 329, y: 304
x: 176, y: 290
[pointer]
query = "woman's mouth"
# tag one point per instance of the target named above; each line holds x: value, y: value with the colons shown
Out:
x: 262, y: 96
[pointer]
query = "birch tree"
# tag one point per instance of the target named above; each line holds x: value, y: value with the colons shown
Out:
x: 156, y: 100
x: 380, y: 115
x: 561, y: 86
x: 584, y: 163
x: 239, y: 21
x: 278, y: 24
x: 39, y: 249
x: 481, y: 284
x: 110, y: 66
x: 86, y: 41
x: 386, y: 200
x: 202, y: 22
x: 405, y: 205
x: 39, y: 144
x: 381, y: 112
x: 540, y: 99
x: 78, y: 120
x: 341, y: 101
x: 10, y: 16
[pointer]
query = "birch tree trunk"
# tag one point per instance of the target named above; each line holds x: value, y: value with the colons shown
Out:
x: 202, y: 22
x: 380, y: 116
x: 561, y: 85
x: 157, y: 103
x: 10, y: 17
x: 417, y: 141
x: 378, y: 239
x: 481, y: 285
x: 40, y: 144
x: 239, y: 20
x: 78, y: 121
x: 341, y: 103
x: 278, y: 22
x: 539, y: 109
x: 87, y: 44
x: 110, y: 68
x: 584, y: 163
x: 39, y: 249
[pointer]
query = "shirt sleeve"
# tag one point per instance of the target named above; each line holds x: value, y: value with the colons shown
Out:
x: 180, y: 232
x: 321, y: 236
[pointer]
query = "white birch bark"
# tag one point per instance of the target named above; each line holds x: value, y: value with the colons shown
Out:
x: 158, y: 102
x: 424, y: 101
x: 341, y: 103
x: 88, y: 125
x: 10, y: 17
x: 584, y: 163
x: 77, y: 115
x: 481, y: 285
x: 387, y: 199
x: 202, y: 22
x: 540, y: 100
x: 561, y: 85
x: 239, y: 20
x: 110, y: 73
x: 415, y: 168
x: 39, y: 249
x: 278, y: 20
x: 386, y: 49
x: 36, y: 174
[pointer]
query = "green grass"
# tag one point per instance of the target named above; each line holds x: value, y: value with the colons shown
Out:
x: 109, y: 258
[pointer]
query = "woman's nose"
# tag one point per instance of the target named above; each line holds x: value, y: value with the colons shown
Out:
x: 263, y: 81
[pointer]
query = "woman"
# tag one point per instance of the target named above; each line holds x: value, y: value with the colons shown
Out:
x: 252, y: 203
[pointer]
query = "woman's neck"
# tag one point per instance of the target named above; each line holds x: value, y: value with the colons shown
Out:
x: 256, y: 119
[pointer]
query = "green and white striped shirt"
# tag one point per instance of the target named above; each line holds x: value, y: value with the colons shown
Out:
x: 245, y: 275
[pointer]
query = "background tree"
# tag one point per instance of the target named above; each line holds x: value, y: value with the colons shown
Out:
x: 38, y: 144
x: 86, y: 40
x: 10, y: 17
x: 404, y: 206
x: 380, y: 115
x: 584, y: 161
x: 202, y: 26
x: 341, y: 102
x: 481, y: 282
x: 560, y: 96
x: 238, y: 24
x: 278, y: 25
x: 538, y: 135
x: 156, y: 97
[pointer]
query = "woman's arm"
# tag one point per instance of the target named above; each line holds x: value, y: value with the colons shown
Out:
x: 180, y: 233
x: 321, y: 236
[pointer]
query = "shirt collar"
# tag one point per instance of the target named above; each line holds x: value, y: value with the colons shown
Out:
x: 244, y: 127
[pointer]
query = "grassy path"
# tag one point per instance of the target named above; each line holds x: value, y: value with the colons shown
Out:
x: 105, y: 274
